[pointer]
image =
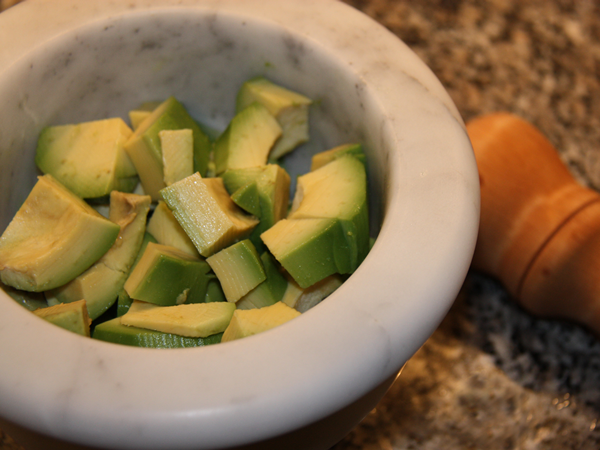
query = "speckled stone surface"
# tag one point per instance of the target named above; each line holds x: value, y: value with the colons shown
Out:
x: 492, y: 376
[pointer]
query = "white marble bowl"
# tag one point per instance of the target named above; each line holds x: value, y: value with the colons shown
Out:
x: 307, y: 383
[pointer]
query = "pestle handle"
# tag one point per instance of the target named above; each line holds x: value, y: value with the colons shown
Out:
x: 539, y: 230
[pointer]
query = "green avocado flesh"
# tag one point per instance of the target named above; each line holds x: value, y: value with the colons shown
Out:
x: 101, y: 283
x: 88, y: 158
x: 113, y: 331
x: 311, y: 249
x: 247, y: 140
x: 288, y: 107
x: 144, y: 146
x: 71, y: 316
x: 238, y: 268
x: 262, y: 191
x: 54, y: 237
x: 206, y: 213
x: 167, y: 276
x: 269, y: 291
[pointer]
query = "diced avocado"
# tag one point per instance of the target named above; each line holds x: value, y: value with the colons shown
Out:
x: 138, y: 115
x: 247, y: 140
x: 124, y: 301
x: 214, y: 292
x: 87, y: 158
x: 167, y: 276
x: 322, y: 158
x: 304, y: 299
x: 248, y: 322
x: 337, y: 190
x: 166, y: 230
x: 288, y: 107
x: 178, y: 154
x: 238, y: 268
x: 70, y: 316
x: 144, y: 149
x: 101, y: 283
x: 269, y: 186
x: 311, y: 249
x: 207, y: 214
x: 54, y: 237
x: 268, y: 292
x: 114, y: 331
x: 191, y: 320
x: 29, y: 300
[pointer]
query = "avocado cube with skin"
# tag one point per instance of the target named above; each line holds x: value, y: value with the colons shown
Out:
x: 114, y: 331
x: 311, y: 249
x: 288, y: 107
x: 88, y: 158
x: 101, y: 283
x: 191, y: 320
x: 70, y: 316
x: 167, y: 276
x: 249, y: 322
x: 337, y: 190
x: 144, y: 147
x: 52, y: 225
x: 262, y: 191
x: 238, y: 268
x: 247, y: 140
x: 207, y: 214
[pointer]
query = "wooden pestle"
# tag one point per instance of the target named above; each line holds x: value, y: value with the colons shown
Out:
x: 540, y: 230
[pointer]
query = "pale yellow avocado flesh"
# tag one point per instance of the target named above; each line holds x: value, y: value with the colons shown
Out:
x: 87, y: 158
x: 304, y: 299
x: 192, y: 320
x: 54, y: 237
x: 177, y: 153
x: 207, y: 214
x: 163, y: 226
x: 101, y: 283
x: 248, y: 322
x: 70, y: 316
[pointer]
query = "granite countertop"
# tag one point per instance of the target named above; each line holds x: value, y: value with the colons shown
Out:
x: 492, y: 376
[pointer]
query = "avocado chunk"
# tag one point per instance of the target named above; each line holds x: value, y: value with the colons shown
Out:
x: 144, y: 147
x: 101, y: 283
x: 262, y: 191
x: 115, y: 332
x: 248, y: 322
x: 320, y: 159
x: 337, y: 190
x: 138, y: 115
x: 54, y: 237
x: 269, y: 291
x: 163, y: 226
x: 29, y: 300
x: 238, y: 268
x: 288, y: 107
x: 191, y: 320
x: 88, y: 158
x: 124, y: 301
x: 247, y: 140
x: 206, y: 213
x: 304, y: 299
x: 70, y: 316
x: 167, y: 276
x: 214, y: 292
x: 311, y: 249
x: 178, y: 154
